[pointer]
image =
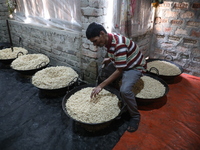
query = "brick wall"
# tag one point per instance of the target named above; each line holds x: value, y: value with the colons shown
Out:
x: 92, y: 11
x: 144, y: 42
x: 3, y: 16
x: 96, y: 10
x: 62, y: 47
x: 177, y: 33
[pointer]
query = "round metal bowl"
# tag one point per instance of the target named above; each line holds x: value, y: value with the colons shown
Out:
x: 92, y: 126
x: 151, y: 100
x: 9, y: 61
x: 166, y: 78
x: 59, y: 91
x: 32, y: 71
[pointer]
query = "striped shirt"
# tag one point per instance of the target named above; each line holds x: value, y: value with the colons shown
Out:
x: 125, y: 53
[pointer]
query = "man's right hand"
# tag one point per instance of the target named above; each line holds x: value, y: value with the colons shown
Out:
x: 95, y: 91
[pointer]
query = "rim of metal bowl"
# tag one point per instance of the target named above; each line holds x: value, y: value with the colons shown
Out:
x: 161, y: 81
x: 110, y: 89
x: 179, y: 66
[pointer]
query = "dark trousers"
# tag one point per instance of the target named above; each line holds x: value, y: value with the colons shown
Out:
x: 128, y: 79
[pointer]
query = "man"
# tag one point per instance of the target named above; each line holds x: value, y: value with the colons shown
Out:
x: 128, y: 61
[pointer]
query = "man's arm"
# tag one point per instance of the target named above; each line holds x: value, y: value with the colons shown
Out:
x: 106, y: 82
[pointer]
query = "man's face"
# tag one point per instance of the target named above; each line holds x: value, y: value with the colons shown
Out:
x: 99, y: 41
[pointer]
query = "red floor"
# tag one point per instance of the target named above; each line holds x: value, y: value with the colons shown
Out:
x: 171, y: 124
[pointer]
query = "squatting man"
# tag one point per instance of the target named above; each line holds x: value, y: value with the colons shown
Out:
x: 128, y: 61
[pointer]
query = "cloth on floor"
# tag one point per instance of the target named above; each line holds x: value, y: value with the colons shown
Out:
x: 172, y: 123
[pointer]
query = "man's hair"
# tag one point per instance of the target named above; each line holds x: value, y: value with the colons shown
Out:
x: 94, y: 30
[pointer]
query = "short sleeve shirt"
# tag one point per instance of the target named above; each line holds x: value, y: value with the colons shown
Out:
x: 125, y: 53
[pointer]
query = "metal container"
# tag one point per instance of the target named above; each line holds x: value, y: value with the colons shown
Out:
x: 60, y: 91
x: 33, y: 71
x: 168, y: 79
x: 9, y: 61
x: 151, y: 100
x: 92, y: 127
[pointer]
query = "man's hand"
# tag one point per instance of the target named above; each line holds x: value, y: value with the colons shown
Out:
x: 95, y: 91
x: 106, y: 82
x: 106, y: 61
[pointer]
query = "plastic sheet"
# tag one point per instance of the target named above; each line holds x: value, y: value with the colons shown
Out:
x: 28, y: 119
x: 63, y: 14
x: 171, y: 124
x: 31, y: 120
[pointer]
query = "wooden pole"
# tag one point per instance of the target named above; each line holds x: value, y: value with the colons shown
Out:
x: 11, y: 44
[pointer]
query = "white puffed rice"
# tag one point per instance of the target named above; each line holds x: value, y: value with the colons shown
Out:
x: 54, y: 77
x: 164, y: 68
x: 102, y: 108
x: 30, y: 61
x: 7, y: 53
